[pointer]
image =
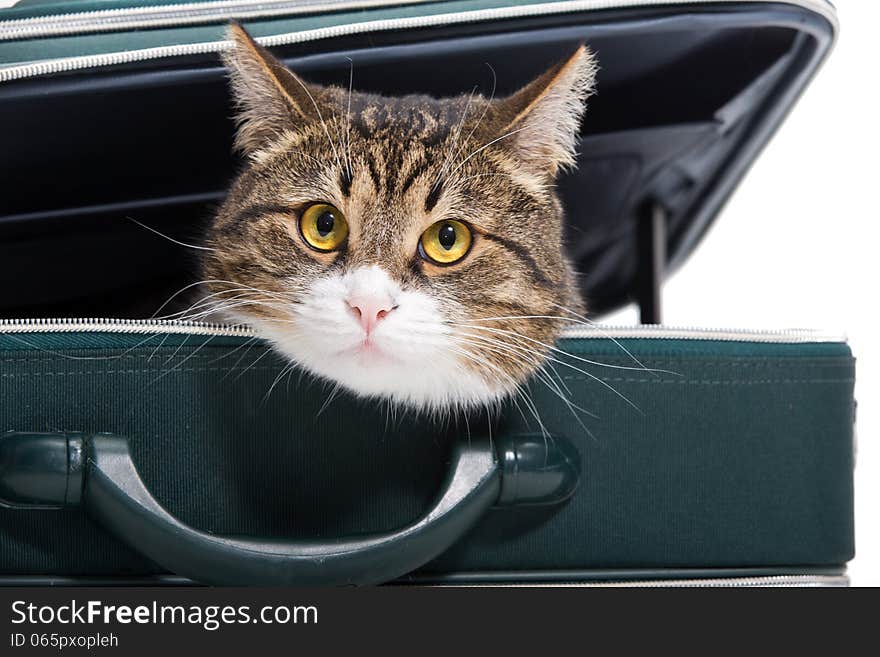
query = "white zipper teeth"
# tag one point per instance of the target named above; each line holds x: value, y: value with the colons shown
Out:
x: 127, y: 18
x: 737, y: 582
x: 107, y: 325
x: 598, y: 331
x: 708, y: 582
x: 51, y: 66
x: 661, y: 332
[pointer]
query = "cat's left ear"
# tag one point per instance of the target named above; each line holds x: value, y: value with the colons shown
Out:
x: 541, y: 121
x: 271, y: 99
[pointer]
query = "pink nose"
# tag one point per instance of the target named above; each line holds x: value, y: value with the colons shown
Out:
x: 370, y: 309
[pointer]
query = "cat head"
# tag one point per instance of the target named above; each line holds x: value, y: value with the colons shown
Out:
x: 407, y: 247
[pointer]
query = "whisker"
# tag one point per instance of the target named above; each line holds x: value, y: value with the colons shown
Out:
x: 52, y: 352
x: 483, y: 175
x: 348, y: 117
x: 278, y: 378
x: 225, y: 308
x: 517, y: 388
x: 493, y: 345
x: 483, y: 114
x: 207, y: 301
x: 170, y: 239
x: 250, y: 344
x: 561, y: 362
x: 158, y: 346
x: 597, y: 326
x: 321, y: 119
x: 328, y: 401
x: 485, y: 146
x: 182, y: 361
x: 252, y: 365
x: 341, y: 139
x: 227, y: 354
x: 239, y: 287
x: 642, y: 368
x: 450, y: 154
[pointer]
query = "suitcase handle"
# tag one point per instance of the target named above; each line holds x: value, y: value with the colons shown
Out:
x: 97, y: 472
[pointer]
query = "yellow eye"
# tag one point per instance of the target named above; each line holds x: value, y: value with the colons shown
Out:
x: 323, y: 227
x: 445, y: 242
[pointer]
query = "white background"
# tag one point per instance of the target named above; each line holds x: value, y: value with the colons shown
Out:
x: 797, y: 245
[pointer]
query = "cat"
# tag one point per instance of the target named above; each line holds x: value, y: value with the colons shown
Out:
x: 408, y: 248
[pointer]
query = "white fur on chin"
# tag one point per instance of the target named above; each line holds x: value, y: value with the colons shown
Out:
x: 412, y: 357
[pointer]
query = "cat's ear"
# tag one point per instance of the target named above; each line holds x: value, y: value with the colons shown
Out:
x: 270, y: 98
x: 542, y: 120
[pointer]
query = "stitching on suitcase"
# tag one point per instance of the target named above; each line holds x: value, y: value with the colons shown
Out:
x: 734, y: 361
x: 171, y: 370
x: 156, y: 356
x: 567, y: 378
x: 715, y: 382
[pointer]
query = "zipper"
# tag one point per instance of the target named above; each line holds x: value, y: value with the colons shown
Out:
x: 662, y: 332
x: 52, y: 66
x: 723, y: 582
x: 153, y: 16
x: 106, y: 325
x: 798, y: 581
x: 597, y: 331
x: 717, y: 582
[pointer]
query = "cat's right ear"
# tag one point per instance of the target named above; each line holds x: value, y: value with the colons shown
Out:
x: 270, y: 98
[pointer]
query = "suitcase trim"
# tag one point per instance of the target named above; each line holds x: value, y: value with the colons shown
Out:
x: 53, y: 66
x: 176, y: 15
x: 811, y: 544
x: 774, y: 581
x: 592, y: 330
x: 650, y: 578
x: 638, y: 579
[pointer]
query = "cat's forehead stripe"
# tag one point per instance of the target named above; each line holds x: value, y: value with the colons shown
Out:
x: 394, y: 170
x: 411, y: 177
x: 374, y: 174
x: 345, y: 182
x: 251, y: 212
x: 434, y: 195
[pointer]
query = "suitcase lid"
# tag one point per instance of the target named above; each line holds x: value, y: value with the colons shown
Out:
x: 91, y: 93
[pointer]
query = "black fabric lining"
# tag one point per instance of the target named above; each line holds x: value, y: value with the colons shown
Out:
x: 650, y: 132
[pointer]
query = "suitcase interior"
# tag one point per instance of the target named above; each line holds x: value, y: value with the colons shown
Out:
x: 687, y: 96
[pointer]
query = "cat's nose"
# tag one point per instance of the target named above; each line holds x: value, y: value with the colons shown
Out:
x: 369, y: 310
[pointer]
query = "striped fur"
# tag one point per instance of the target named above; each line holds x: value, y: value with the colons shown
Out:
x: 394, y: 166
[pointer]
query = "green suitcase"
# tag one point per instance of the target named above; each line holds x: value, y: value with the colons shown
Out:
x: 730, y: 456
x: 148, y: 451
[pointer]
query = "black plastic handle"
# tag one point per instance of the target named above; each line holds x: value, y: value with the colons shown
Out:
x: 47, y: 470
